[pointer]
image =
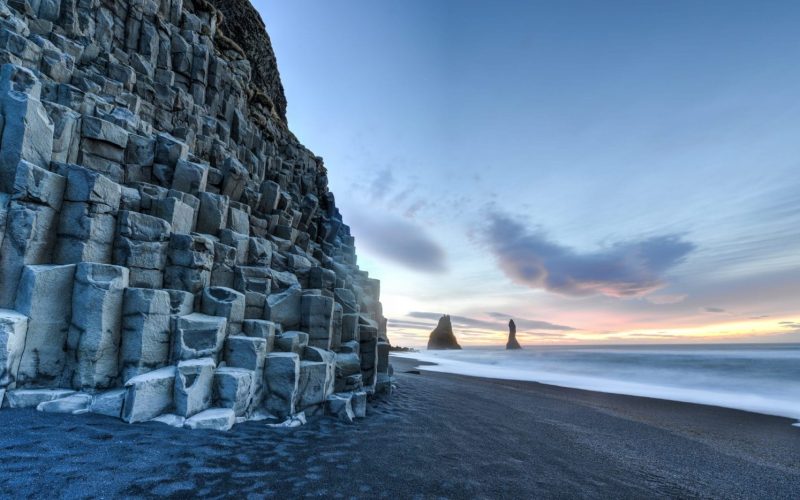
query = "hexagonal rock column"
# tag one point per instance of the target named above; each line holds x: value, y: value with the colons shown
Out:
x: 281, y: 377
x: 197, y: 336
x: 194, y: 383
x: 316, y: 318
x: 45, y: 297
x: 95, y: 331
x: 145, y: 331
x: 13, y: 327
x: 149, y: 395
x: 232, y: 389
x: 225, y: 302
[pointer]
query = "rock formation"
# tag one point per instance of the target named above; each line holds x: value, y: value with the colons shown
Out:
x: 512, y: 336
x: 442, y: 337
x: 168, y: 249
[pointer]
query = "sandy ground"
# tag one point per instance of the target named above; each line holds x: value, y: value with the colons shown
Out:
x: 439, y: 436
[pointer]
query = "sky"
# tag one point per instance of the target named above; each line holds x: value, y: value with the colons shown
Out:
x: 602, y: 172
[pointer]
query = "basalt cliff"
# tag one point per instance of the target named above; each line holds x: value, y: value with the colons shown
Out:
x: 168, y: 249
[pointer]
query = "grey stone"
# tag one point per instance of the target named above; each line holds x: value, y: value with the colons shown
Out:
x: 45, y: 297
x: 102, y: 130
x: 95, y: 330
x: 142, y: 227
x: 225, y: 302
x: 291, y: 341
x: 194, y: 384
x: 213, y: 213
x: 217, y: 419
x: 255, y: 283
x: 28, y: 131
x: 13, y: 327
x: 340, y: 406
x: 197, y: 336
x: 74, y: 403
x: 262, y: 329
x: 149, y: 395
x: 145, y: 331
x: 35, y: 184
x: 360, y: 404
x: 31, y: 398
x: 281, y: 377
x: 315, y: 383
x: 190, y: 177
x: 246, y: 352
x: 109, y: 403
x: 317, y: 319
x: 232, y: 389
x: 284, y: 308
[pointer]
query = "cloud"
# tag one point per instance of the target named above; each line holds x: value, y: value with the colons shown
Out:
x: 664, y: 299
x: 713, y: 309
x: 381, y: 184
x: 466, y: 322
x: 399, y: 240
x: 789, y: 324
x: 626, y: 269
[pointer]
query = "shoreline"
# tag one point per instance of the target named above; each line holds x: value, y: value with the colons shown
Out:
x: 633, y: 389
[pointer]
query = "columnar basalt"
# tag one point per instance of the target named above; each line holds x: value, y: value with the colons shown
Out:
x: 168, y: 249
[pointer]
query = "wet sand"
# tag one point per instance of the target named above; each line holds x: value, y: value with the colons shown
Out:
x: 439, y: 436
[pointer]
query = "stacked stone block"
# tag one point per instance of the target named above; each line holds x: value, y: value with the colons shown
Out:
x: 168, y: 249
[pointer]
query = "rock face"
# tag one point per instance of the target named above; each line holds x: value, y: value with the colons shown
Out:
x: 168, y: 249
x: 512, y: 336
x: 442, y: 337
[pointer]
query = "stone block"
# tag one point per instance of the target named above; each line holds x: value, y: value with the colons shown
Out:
x: 28, y: 239
x: 73, y: 404
x: 31, y: 398
x: 149, y: 395
x: 232, y: 389
x: 95, y: 331
x: 45, y: 297
x: 88, y: 186
x: 340, y: 406
x: 109, y: 403
x: 213, y: 214
x: 261, y: 329
x: 246, y: 352
x: 281, y: 377
x: 181, y: 303
x: 197, y: 336
x: 178, y: 214
x: 142, y: 227
x: 190, y: 177
x: 360, y: 404
x: 350, y: 328
x: 291, y: 341
x: 316, y: 318
x: 32, y: 183
x: 225, y: 302
x: 27, y: 133
x: 194, y: 385
x: 102, y: 130
x: 259, y: 252
x: 13, y: 327
x: 315, y: 383
x: 145, y: 331
x: 284, y: 308
x: 255, y: 283
x: 216, y: 419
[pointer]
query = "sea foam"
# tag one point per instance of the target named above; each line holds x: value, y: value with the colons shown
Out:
x: 758, y: 378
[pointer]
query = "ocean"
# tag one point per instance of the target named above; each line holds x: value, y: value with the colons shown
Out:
x: 761, y: 378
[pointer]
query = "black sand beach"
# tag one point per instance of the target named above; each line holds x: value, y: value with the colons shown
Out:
x: 439, y: 436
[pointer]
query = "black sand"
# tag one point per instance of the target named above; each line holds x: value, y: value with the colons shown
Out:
x: 440, y: 436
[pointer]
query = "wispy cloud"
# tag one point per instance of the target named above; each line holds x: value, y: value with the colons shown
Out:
x: 625, y: 269
x: 715, y: 310
x: 399, y: 240
x: 467, y: 322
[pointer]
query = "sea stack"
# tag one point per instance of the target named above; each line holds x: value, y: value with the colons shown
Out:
x: 512, y: 336
x: 442, y: 336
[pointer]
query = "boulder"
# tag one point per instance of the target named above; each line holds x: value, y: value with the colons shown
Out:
x: 340, y: 406
x: 74, y: 403
x: 284, y: 308
x: 109, y: 403
x: 225, y: 302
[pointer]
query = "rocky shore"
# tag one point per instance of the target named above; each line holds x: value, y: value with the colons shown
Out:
x: 440, y: 435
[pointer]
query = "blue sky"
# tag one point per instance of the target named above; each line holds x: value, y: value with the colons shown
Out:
x: 601, y: 171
